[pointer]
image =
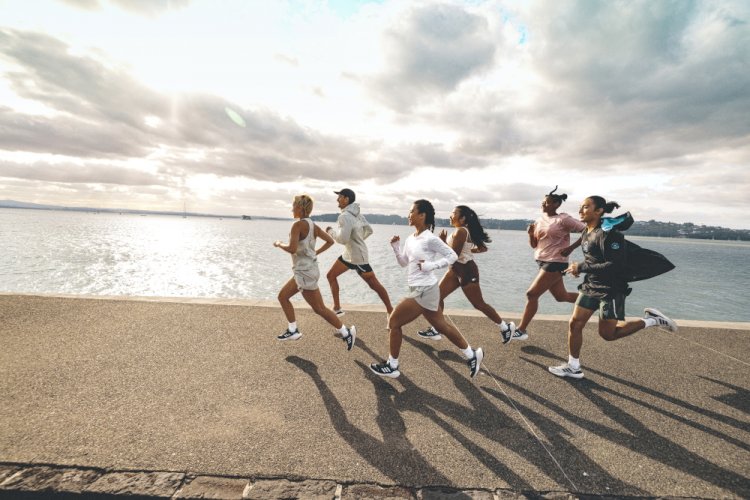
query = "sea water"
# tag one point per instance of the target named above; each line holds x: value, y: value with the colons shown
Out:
x: 60, y: 252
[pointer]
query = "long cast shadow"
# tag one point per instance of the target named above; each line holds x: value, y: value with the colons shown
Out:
x: 743, y: 426
x: 394, y: 455
x: 640, y: 438
x: 740, y: 399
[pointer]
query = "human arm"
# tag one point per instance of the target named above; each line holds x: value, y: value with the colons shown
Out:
x: 614, y: 251
x: 401, y: 257
x: 448, y: 256
x: 344, y: 232
x: 569, y: 249
x: 459, y: 238
x: 290, y: 247
x: 319, y: 233
x: 533, y: 241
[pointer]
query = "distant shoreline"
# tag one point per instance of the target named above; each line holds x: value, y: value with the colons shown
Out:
x: 652, y: 228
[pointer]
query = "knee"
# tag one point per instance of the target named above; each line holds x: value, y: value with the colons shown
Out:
x: 607, y: 335
x: 331, y: 277
x: 531, y: 295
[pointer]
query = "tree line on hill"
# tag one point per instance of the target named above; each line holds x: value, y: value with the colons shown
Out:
x: 639, y: 228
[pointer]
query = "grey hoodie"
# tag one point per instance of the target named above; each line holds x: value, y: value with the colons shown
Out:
x: 352, y: 232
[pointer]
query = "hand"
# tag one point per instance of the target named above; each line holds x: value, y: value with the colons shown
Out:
x: 443, y: 235
x: 277, y: 243
x: 426, y: 266
x: 530, y: 228
x: 395, y: 239
x: 573, y: 269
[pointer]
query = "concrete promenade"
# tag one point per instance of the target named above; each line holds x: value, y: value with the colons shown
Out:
x: 199, y: 400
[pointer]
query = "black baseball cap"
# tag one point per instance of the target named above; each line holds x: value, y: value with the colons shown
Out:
x: 348, y: 193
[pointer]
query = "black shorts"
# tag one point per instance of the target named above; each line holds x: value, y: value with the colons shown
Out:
x: 360, y: 268
x: 611, y: 307
x: 467, y: 273
x: 552, y: 267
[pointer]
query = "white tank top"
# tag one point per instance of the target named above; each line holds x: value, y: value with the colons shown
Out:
x: 465, y: 255
x: 305, y: 258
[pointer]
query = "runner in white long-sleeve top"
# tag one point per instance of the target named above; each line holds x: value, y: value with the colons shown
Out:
x: 422, y: 253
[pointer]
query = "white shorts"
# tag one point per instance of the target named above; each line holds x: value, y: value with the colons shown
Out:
x: 307, y: 279
x: 426, y: 296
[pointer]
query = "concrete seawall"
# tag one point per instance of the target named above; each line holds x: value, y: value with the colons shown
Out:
x: 171, y: 398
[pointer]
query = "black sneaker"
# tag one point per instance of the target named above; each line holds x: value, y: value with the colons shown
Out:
x: 384, y: 370
x: 507, y: 334
x: 287, y: 335
x: 351, y: 338
x: 430, y: 333
x: 475, y: 362
x: 520, y: 334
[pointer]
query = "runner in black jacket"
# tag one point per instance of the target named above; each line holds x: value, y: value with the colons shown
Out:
x: 604, y: 287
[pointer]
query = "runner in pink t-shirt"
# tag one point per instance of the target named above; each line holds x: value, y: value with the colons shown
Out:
x: 549, y: 236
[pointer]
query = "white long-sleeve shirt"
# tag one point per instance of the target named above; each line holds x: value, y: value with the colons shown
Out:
x: 428, y: 249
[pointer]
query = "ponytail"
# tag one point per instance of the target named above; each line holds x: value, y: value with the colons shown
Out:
x: 478, y: 235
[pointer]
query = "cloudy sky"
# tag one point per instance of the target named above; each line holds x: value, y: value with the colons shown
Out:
x: 234, y: 106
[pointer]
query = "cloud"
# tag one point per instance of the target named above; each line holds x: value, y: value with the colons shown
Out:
x: 430, y: 51
x: 73, y: 173
x: 102, y: 112
x: 144, y: 7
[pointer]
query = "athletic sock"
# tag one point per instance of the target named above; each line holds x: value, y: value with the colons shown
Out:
x: 468, y: 352
x: 344, y: 331
x: 503, y: 325
x: 393, y: 362
x: 649, y: 322
x: 574, y: 363
x: 292, y: 326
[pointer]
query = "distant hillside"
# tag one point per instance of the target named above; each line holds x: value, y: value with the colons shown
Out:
x: 639, y: 228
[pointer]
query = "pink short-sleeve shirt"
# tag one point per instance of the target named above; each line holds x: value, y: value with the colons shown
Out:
x: 553, y: 235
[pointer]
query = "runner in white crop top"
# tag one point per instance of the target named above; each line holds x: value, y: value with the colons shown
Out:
x: 468, y: 238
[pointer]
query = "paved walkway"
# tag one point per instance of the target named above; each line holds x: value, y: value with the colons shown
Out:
x: 179, y: 395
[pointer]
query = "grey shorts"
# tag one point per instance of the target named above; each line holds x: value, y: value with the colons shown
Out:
x: 307, y: 279
x: 426, y: 296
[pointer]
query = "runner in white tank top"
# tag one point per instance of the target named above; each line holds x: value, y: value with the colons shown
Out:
x: 306, y: 273
x: 468, y: 238
x: 422, y: 253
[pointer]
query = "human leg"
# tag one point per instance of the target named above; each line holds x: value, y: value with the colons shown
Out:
x: 374, y: 284
x: 560, y: 293
x: 544, y: 281
x: 405, y: 312
x: 473, y: 356
x: 473, y: 292
x: 315, y: 300
x: 287, y: 292
x: 448, y: 284
x: 578, y: 320
x: 337, y: 269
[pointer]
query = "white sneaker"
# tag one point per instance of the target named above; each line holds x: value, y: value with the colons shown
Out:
x: 565, y: 371
x: 476, y: 362
x: 661, y: 320
x: 520, y: 334
x: 339, y: 312
x: 507, y: 334
x: 287, y: 335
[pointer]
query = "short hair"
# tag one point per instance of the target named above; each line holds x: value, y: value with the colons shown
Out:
x: 305, y: 202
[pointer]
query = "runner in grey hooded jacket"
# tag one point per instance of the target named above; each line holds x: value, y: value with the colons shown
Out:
x: 352, y: 231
